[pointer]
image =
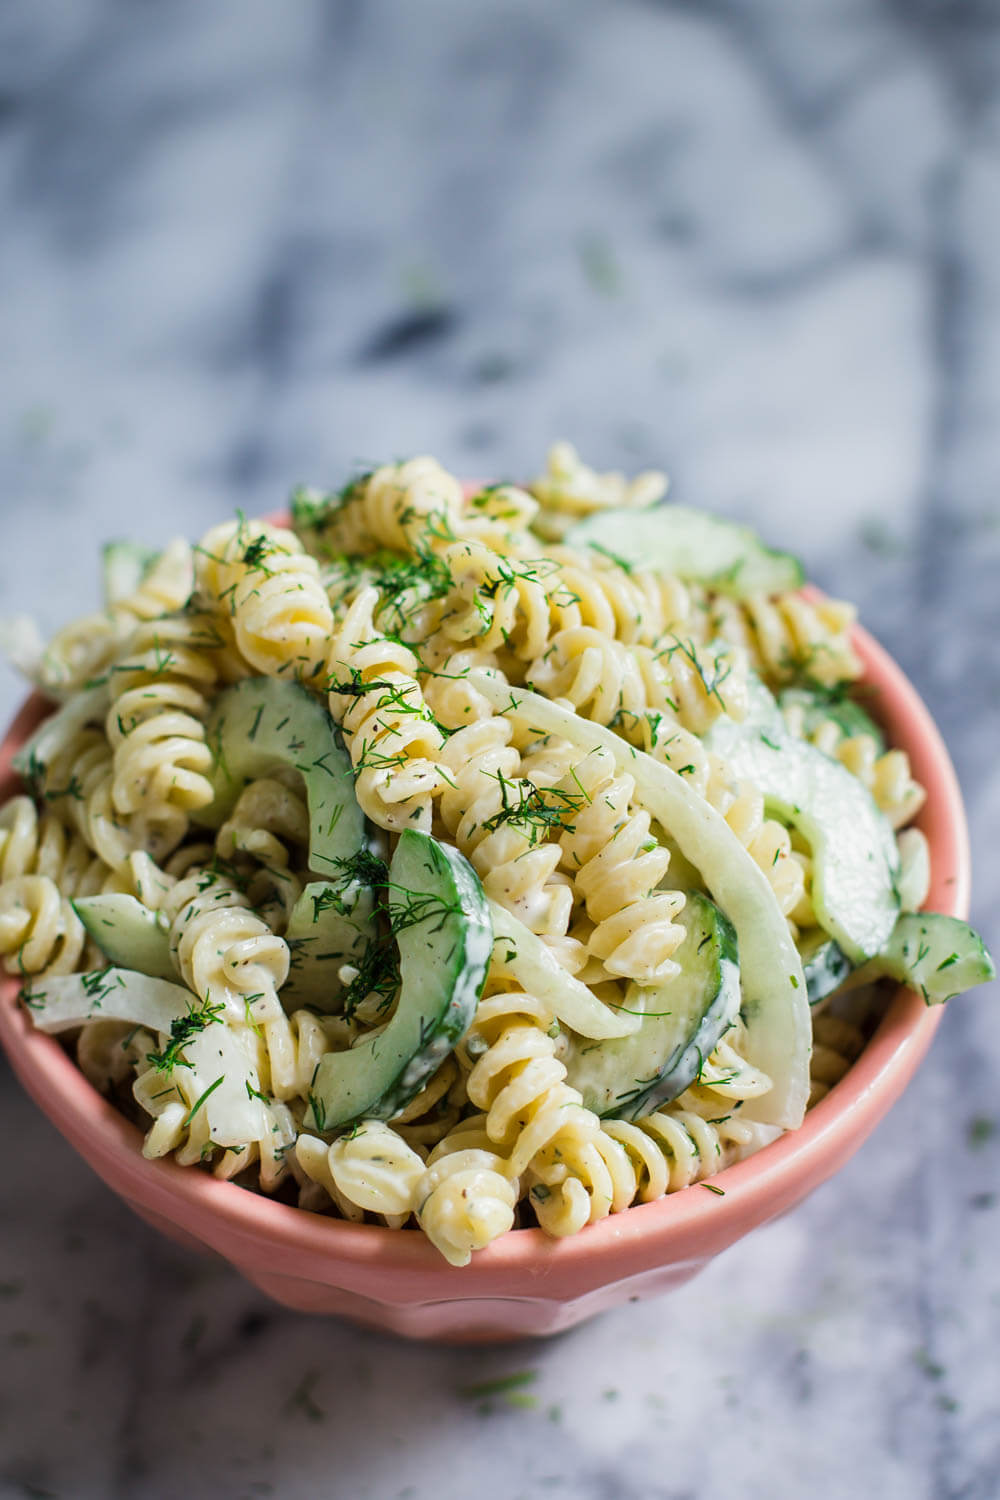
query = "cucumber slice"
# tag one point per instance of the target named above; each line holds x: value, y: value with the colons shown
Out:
x: 213, y: 1065
x: 128, y: 933
x: 726, y: 557
x: 825, y: 965
x: 61, y: 1001
x: 329, y: 926
x: 775, y: 1010
x: 855, y: 859
x: 683, y: 1022
x: 819, y: 707
x: 124, y: 565
x: 264, y: 724
x: 939, y: 957
x: 442, y: 925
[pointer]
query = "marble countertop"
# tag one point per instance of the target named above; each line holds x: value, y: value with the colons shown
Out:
x: 245, y: 245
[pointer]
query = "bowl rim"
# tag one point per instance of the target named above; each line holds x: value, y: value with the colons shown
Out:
x: 752, y: 1191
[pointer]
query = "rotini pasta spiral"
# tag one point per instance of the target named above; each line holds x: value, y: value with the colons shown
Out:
x: 504, y: 604
x: 500, y: 824
x: 182, y: 1128
x: 610, y: 683
x: 224, y: 952
x: 837, y: 1043
x: 533, y: 1117
x: 369, y: 1170
x: 271, y: 589
x: 626, y: 603
x: 286, y: 1049
x: 569, y: 490
x: 75, y: 780
x: 393, y: 739
x: 450, y: 694
x: 399, y: 506
x: 618, y: 868
x: 788, y: 636
x: 676, y: 1147
x: 515, y: 605
x: 498, y: 516
x: 766, y: 841
x: 580, y: 1168
x: 464, y: 1200
x: 155, y: 727
x: 43, y: 869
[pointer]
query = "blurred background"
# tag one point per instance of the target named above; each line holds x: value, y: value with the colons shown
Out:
x: 246, y: 244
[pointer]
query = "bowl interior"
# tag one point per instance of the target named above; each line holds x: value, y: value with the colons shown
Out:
x: 246, y: 1226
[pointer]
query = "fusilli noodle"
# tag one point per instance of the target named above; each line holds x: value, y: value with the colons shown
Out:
x: 260, y: 576
x: 392, y: 737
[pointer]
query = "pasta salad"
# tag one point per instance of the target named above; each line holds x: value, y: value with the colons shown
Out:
x: 465, y: 859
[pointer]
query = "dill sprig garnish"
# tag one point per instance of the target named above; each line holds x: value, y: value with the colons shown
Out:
x: 182, y: 1029
x: 711, y: 680
x: 406, y: 584
x: 98, y: 985
x: 201, y: 1100
x: 536, y: 810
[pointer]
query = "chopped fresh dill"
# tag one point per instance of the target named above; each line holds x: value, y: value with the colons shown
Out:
x: 500, y: 1386
x: 182, y: 1029
x: 536, y: 810
x: 201, y: 1099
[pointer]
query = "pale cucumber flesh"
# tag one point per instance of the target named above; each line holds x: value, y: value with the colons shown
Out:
x: 775, y: 1010
x: 825, y: 966
x: 691, y: 544
x: 684, y: 1020
x: 441, y: 924
x: 328, y: 927
x: 855, y: 859
x: 936, y: 956
x: 132, y: 936
x: 264, y: 724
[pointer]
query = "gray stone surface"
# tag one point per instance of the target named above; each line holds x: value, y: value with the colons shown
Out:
x: 244, y: 244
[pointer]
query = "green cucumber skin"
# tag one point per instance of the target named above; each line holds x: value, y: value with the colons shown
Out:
x: 264, y: 723
x: 855, y: 859
x: 825, y: 966
x: 128, y: 933
x: 936, y: 956
x: 693, y: 544
x: 322, y: 938
x: 438, y: 996
x: 775, y: 1008
x: 710, y: 945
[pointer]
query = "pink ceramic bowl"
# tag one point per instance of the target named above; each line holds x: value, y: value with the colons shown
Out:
x: 526, y: 1283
